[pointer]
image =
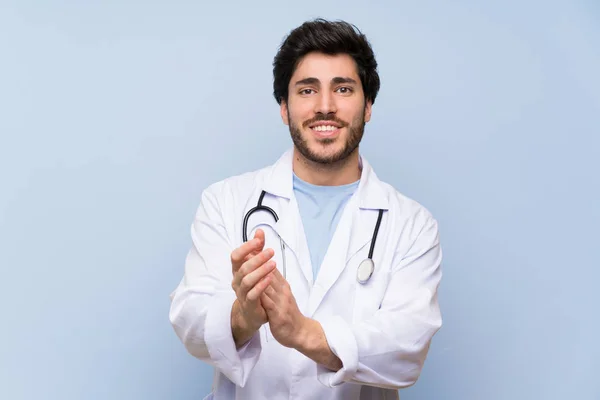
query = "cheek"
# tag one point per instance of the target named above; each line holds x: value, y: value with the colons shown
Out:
x: 298, y: 119
x: 300, y: 112
x: 353, y: 111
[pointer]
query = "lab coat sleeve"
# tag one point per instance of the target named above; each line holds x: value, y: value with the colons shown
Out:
x: 389, y: 348
x: 201, y: 305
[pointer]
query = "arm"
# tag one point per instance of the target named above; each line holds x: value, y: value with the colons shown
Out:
x: 239, y: 328
x: 203, y: 312
x: 313, y: 344
x: 389, y: 349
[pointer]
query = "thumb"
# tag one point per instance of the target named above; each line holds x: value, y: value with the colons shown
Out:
x: 260, y: 235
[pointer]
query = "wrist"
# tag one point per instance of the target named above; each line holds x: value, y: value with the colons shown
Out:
x: 312, y: 342
x: 305, y: 335
x: 236, y: 319
x: 240, y: 328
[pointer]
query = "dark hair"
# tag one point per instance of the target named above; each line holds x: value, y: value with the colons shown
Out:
x: 329, y: 37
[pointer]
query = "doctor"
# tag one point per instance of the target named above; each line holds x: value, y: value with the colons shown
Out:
x: 333, y: 294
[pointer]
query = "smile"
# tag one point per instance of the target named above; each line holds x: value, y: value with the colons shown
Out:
x: 324, y: 128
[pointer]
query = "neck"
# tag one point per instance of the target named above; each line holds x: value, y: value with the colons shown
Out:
x: 343, y: 172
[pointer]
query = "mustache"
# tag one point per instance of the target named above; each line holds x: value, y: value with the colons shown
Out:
x: 325, y: 117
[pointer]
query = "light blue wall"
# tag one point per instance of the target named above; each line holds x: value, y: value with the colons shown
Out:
x: 114, y: 116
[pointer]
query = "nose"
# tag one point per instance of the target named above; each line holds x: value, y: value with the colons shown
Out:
x: 325, y: 103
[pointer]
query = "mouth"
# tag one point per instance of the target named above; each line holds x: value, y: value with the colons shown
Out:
x: 325, y: 128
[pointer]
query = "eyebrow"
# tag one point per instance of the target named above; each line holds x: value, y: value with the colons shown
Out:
x: 339, y: 79
x: 314, y: 81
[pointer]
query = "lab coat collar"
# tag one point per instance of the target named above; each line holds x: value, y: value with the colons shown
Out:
x: 280, y: 180
x: 371, y: 194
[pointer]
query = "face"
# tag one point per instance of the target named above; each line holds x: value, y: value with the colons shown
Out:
x: 326, y: 109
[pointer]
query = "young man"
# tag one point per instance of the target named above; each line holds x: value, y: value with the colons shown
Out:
x: 335, y: 294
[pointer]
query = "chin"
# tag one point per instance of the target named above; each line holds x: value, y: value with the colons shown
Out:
x: 325, y: 154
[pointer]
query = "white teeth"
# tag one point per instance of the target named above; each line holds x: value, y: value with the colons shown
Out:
x: 323, y: 128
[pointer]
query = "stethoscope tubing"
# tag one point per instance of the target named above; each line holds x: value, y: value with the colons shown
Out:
x: 260, y: 207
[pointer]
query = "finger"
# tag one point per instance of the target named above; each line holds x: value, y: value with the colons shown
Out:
x: 267, y: 302
x: 278, y: 279
x: 255, y: 262
x: 271, y: 292
x: 257, y: 290
x: 253, y: 278
x: 260, y: 236
x: 248, y: 267
x: 279, y: 286
x: 270, y: 297
x: 238, y: 255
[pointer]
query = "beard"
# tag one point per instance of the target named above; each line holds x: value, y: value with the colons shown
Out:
x: 355, y: 133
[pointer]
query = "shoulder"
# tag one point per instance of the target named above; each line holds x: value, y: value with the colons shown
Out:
x: 405, y: 205
x: 409, y: 218
x: 233, y: 188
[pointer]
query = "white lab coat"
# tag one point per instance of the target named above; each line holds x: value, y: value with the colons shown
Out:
x: 380, y: 330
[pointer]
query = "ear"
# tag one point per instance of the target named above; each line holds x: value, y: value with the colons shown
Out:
x: 284, y: 112
x: 368, y: 107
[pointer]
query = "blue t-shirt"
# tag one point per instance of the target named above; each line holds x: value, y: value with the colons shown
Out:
x: 320, y: 209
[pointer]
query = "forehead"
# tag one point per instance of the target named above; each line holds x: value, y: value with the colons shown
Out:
x: 325, y: 67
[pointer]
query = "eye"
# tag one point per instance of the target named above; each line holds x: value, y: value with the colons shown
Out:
x: 344, y: 90
x: 306, y: 91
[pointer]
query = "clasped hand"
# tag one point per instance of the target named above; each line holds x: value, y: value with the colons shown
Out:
x: 263, y: 293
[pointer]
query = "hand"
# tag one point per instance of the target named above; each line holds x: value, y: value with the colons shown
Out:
x: 251, y: 266
x: 291, y: 328
x: 287, y: 323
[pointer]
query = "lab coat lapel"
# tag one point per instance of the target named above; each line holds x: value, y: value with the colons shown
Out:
x: 362, y: 232
x: 371, y: 198
x: 354, y: 231
x: 289, y: 227
x: 334, y: 261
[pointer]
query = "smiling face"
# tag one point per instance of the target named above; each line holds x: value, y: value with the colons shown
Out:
x: 326, y: 109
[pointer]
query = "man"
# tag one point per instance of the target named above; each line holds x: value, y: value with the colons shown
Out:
x: 335, y: 294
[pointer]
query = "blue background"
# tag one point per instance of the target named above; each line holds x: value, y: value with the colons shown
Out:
x: 115, y: 115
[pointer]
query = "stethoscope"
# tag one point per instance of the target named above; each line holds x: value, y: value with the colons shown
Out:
x: 365, y: 268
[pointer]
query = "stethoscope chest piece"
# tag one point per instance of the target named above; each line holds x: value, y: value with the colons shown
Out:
x: 365, y: 270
